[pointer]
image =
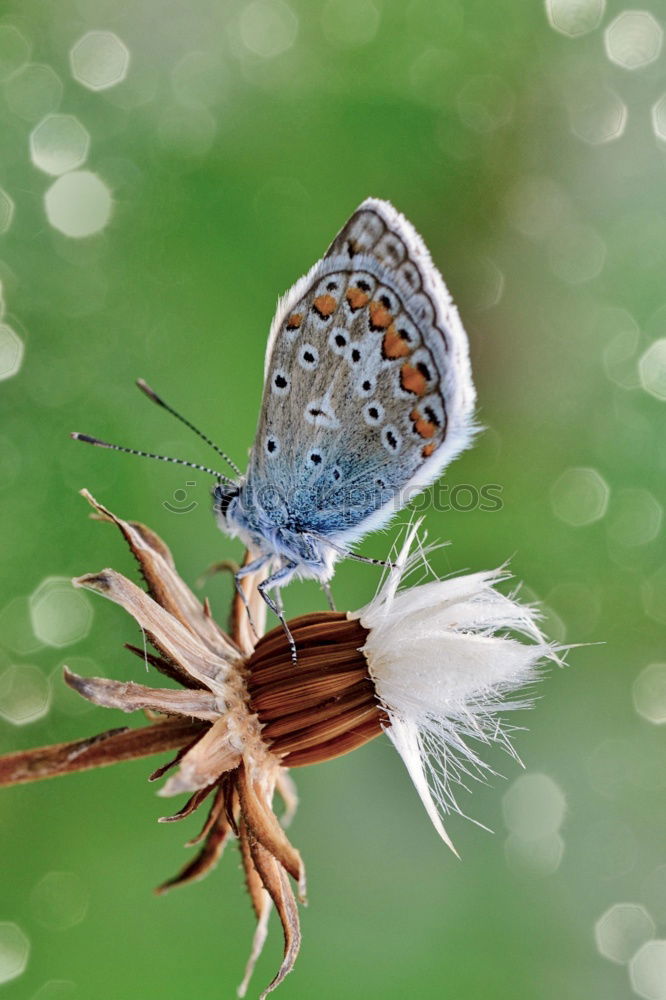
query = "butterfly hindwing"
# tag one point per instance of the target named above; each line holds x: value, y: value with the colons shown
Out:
x: 368, y: 393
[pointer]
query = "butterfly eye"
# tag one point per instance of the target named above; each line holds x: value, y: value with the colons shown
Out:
x: 373, y: 413
x: 315, y: 458
x: 391, y: 439
x: 308, y: 357
x: 272, y: 446
x: 281, y: 384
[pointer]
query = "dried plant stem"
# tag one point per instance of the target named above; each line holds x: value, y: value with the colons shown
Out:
x: 107, y: 748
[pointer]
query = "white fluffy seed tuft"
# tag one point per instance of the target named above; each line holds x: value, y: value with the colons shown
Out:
x: 446, y: 657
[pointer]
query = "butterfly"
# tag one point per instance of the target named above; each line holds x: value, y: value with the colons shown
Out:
x: 367, y: 397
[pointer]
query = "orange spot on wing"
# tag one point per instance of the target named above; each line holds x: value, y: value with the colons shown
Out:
x: 294, y: 321
x: 357, y: 298
x: 393, y: 345
x: 412, y: 380
x: 423, y: 427
x: 380, y: 317
x: 325, y: 305
x: 428, y: 449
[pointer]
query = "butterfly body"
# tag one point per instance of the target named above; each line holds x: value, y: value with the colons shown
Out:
x: 367, y: 396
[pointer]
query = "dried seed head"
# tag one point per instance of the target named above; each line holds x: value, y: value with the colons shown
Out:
x: 326, y: 705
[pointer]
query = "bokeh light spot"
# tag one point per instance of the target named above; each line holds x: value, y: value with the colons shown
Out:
x: 577, y: 253
x: 536, y: 206
x: 633, y: 39
x: 11, y: 352
x: 574, y: 17
x: 534, y: 807
x: 350, y: 23
x: 635, y: 517
x: 14, y: 952
x: 59, y: 900
x: 58, y: 144
x: 25, y: 694
x: 14, y: 50
x: 647, y: 971
x: 598, y: 116
x: 188, y: 131
x: 649, y: 693
x: 659, y: 118
x: 268, y: 27
x: 485, y: 103
x: 60, y: 614
x: 78, y: 204
x: 534, y: 858
x: 652, y: 369
x: 654, y: 595
x: 580, y: 496
x: 199, y: 79
x: 6, y: 211
x: 99, y: 60
x: 33, y: 92
x: 621, y: 930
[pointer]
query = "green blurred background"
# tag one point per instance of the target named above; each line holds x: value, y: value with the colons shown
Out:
x: 527, y: 143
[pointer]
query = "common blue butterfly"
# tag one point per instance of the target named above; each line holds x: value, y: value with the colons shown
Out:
x: 367, y: 397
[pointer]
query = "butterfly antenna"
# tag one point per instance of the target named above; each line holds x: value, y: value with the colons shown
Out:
x: 147, y: 454
x: 151, y: 394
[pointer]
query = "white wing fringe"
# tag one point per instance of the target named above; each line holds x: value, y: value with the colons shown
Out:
x: 446, y: 657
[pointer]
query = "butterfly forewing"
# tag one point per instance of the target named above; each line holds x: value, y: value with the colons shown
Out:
x: 368, y: 391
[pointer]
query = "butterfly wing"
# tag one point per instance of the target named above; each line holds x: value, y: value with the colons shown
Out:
x: 368, y: 393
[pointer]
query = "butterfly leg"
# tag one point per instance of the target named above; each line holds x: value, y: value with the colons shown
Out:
x: 244, y: 571
x: 279, y: 580
x: 346, y: 554
x: 326, y: 587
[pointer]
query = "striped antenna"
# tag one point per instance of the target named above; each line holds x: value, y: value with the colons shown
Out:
x: 151, y: 394
x: 147, y: 454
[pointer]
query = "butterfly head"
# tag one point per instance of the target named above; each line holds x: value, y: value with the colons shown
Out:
x: 225, y: 496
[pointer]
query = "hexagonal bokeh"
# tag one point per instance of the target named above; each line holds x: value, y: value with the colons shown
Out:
x: 33, y: 92
x: 58, y: 144
x: 574, y: 17
x: 14, y: 50
x: 580, y: 496
x: 6, y: 211
x: 654, y: 595
x: 11, y: 352
x: 350, y: 23
x: 534, y: 807
x: 59, y: 900
x: 576, y: 253
x: 485, y: 103
x: 659, y: 118
x: 635, y: 517
x: 647, y: 971
x: 25, y: 694
x: 534, y: 858
x: 14, y: 952
x: 99, y: 60
x: 649, y: 693
x: 621, y: 931
x: 78, y: 204
x: 598, y: 118
x: 633, y: 39
x: 652, y: 369
x: 60, y: 614
x: 268, y: 27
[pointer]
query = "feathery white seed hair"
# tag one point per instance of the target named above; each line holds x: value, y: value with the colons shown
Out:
x: 444, y: 656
